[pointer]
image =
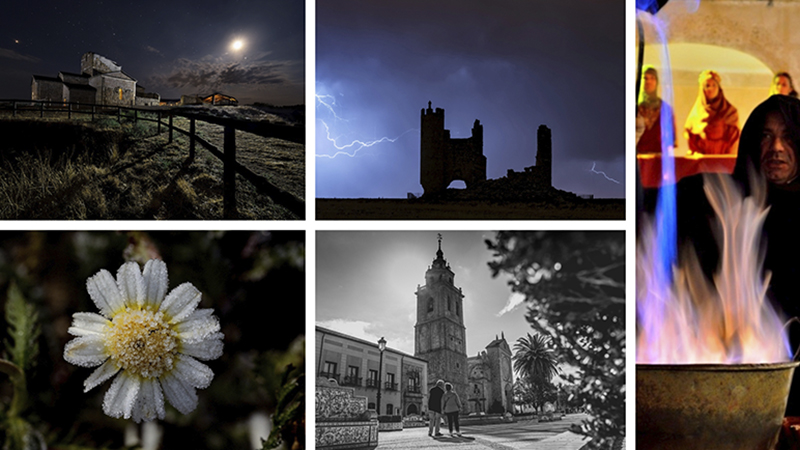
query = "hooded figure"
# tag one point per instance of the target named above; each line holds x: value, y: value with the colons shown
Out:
x: 649, y: 115
x: 712, y: 127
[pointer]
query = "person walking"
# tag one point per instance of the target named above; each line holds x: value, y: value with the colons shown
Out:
x: 435, y: 408
x: 451, y: 405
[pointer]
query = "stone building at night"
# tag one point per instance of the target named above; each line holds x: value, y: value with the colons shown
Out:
x: 101, y: 82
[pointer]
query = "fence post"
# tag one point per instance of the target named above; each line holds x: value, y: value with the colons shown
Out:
x: 119, y: 114
x: 191, y: 139
x: 41, y: 109
x: 170, y: 127
x: 135, y: 115
x: 92, y: 112
x: 229, y: 174
x: 15, y: 109
x: 69, y: 110
x: 159, y: 122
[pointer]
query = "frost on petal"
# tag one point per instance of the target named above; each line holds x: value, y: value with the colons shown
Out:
x: 155, y: 282
x: 193, y: 371
x: 104, y: 293
x: 206, y: 350
x: 181, y: 302
x: 150, y: 403
x: 121, y: 396
x: 101, y: 374
x: 86, y: 351
x: 131, y: 284
x: 199, y: 325
x: 179, y: 393
x: 84, y: 324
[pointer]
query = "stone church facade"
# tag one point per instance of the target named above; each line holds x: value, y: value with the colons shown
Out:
x: 440, y: 338
x: 101, y: 82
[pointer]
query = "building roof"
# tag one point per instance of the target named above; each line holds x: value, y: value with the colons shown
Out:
x: 84, y: 87
x: 44, y: 78
x: 83, y: 75
x: 365, y: 342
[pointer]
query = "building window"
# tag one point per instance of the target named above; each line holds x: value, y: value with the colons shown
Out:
x: 390, y: 385
x: 120, y: 93
x: 430, y: 305
x: 330, y: 371
x: 389, y: 409
x: 352, y: 378
x: 371, y: 406
x: 449, y: 304
x: 413, y: 382
x: 372, y: 378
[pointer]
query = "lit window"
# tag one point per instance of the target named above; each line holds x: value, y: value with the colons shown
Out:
x: 120, y: 93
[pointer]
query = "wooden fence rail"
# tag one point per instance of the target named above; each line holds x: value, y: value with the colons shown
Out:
x: 227, y: 155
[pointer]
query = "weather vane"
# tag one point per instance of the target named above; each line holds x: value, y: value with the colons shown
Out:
x: 439, y: 237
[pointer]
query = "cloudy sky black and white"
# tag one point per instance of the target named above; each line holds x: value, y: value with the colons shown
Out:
x: 512, y: 64
x: 169, y: 47
x: 366, y: 283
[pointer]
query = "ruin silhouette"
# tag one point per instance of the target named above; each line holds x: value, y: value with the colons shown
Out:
x: 444, y: 159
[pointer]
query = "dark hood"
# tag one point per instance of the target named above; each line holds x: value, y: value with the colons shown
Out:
x: 750, y: 142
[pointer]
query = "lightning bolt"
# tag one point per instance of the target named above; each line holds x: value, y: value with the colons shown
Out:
x: 329, y: 104
x: 360, y: 144
x: 603, y: 173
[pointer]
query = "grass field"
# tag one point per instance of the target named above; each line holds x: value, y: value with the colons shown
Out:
x: 76, y: 169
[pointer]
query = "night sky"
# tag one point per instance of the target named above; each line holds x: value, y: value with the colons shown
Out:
x: 169, y: 47
x: 512, y: 64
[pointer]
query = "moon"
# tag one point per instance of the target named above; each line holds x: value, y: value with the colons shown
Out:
x: 237, y: 44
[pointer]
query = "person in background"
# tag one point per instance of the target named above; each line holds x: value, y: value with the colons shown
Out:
x: 782, y: 85
x: 649, y: 114
x: 712, y: 127
x: 451, y: 405
x: 435, y: 408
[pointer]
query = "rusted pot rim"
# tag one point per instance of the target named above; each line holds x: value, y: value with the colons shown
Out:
x: 749, y: 367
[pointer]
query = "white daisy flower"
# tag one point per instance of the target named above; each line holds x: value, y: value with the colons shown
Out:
x: 149, y: 339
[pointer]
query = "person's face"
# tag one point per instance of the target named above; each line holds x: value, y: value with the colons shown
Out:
x: 650, y: 84
x: 783, y: 86
x: 711, y: 89
x: 778, y: 159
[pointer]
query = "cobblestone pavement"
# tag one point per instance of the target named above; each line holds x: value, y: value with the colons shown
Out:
x: 526, y: 435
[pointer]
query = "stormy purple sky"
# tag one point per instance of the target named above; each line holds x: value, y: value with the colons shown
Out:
x: 512, y: 64
x: 169, y: 47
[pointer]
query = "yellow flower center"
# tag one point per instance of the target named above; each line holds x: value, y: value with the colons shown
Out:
x: 142, y: 343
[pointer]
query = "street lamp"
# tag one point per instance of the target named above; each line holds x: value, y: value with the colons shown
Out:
x: 381, y: 347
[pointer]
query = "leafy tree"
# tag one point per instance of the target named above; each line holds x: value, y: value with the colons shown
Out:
x: 574, y: 285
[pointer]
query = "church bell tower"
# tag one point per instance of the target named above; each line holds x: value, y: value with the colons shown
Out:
x: 439, y: 334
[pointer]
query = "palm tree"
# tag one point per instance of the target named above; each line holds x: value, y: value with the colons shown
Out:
x: 534, y: 359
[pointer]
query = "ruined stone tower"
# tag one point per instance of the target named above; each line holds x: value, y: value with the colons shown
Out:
x: 444, y: 160
x: 439, y: 334
x: 544, y: 154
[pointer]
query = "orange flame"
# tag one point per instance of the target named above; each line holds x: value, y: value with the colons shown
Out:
x: 690, y: 320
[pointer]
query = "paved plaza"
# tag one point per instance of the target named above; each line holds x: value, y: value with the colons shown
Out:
x: 524, y: 435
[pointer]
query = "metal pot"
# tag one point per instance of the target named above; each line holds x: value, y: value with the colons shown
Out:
x: 711, y: 406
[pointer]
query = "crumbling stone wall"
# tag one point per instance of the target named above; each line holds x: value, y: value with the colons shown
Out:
x: 444, y: 160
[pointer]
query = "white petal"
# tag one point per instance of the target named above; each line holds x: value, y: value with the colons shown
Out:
x: 86, y: 351
x: 199, y: 325
x: 180, y: 302
x: 206, y: 350
x: 87, y: 323
x: 155, y: 282
x: 131, y: 284
x: 121, y: 396
x: 150, y: 403
x: 193, y: 371
x: 101, y: 374
x: 104, y: 292
x: 182, y: 396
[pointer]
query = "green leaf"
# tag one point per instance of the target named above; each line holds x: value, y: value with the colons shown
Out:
x: 22, y: 328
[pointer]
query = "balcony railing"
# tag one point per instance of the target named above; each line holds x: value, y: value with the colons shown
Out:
x: 372, y: 382
x: 351, y: 381
x: 330, y: 375
x: 413, y: 389
x: 389, y: 386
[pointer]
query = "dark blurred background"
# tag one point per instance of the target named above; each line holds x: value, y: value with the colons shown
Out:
x: 254, y: 281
